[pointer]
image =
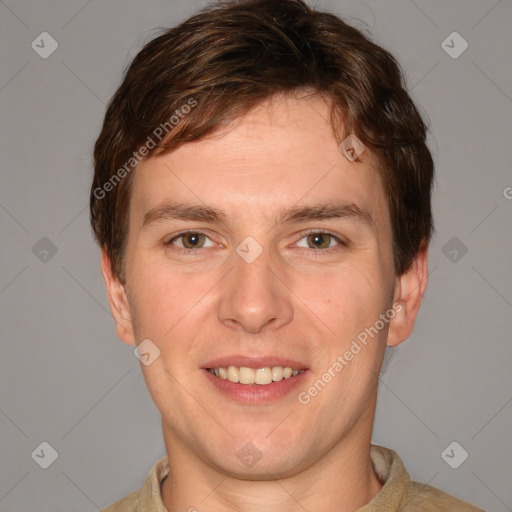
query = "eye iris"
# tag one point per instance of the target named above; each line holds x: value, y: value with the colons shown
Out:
x: 320, y: 240
x: 192, y: 240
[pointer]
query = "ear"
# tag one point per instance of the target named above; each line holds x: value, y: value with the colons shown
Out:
x: 409, y: 290
x: 118, y: 301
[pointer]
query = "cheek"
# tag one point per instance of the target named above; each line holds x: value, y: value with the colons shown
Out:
x: 159, y: 298
x: 348, y: 302
x: 347, y: 299
x: 173, y: 309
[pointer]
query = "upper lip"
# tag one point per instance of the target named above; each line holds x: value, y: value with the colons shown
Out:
x: 254, y: 362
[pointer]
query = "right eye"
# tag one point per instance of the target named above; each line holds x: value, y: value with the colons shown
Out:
x: 189, y: 241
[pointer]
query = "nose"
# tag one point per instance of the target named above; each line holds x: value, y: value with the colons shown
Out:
x: 254, y: 296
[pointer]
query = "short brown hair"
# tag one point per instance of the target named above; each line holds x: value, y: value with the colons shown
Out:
x: 230, y: 57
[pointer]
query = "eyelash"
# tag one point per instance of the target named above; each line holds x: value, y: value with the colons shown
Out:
x: 315, y: 252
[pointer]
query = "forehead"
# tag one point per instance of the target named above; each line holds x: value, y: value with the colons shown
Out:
x: 280, y: 155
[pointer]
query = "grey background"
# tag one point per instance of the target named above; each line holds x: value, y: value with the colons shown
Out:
x: 66, y: 379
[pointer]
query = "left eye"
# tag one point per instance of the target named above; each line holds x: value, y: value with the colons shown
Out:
x: 319, y: 240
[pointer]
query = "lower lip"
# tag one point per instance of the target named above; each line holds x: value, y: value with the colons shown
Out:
x: 256, y: 393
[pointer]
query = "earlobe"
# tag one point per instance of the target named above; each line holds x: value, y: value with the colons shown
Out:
x: 409, y: 290
x: 118, y: 301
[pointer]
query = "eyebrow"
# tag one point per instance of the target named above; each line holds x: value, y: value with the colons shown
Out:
x: 201, y: 213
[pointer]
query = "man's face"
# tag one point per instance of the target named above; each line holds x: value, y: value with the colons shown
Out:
x: 257, y: 288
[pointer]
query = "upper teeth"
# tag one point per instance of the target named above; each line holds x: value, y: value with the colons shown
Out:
x: 245, y: 375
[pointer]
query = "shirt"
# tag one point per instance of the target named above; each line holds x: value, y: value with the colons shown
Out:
x: 398, y: 494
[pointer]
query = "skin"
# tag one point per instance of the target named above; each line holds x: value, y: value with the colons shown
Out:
x: 295, y: 301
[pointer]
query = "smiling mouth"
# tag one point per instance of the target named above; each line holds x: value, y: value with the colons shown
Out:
x: 250, y: 376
